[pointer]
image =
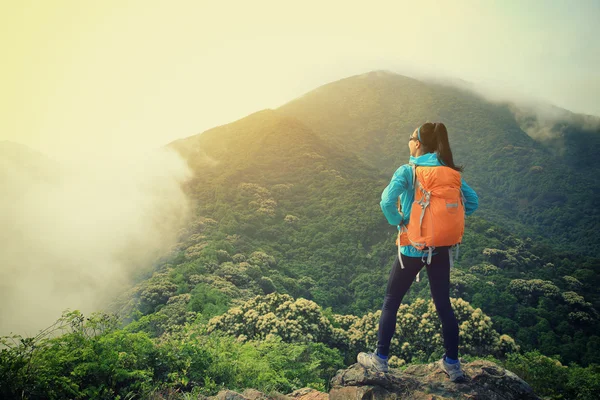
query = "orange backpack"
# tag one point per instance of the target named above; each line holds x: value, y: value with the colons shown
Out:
x: 437, y: 217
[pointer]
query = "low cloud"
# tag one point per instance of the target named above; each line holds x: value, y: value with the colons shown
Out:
x: 72, y: 235
x: 539, y: 119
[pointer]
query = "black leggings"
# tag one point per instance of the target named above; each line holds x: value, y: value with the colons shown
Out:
x: 399, y: 283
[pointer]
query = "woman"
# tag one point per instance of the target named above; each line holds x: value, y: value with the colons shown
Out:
x: 428, y: 146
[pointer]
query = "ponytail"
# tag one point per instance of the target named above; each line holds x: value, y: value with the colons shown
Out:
x: 443, y: 151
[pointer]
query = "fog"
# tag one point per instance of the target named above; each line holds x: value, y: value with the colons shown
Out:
x: 73, y: 234
x: 535, y: 116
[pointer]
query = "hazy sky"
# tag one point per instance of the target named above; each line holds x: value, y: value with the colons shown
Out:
x: 85, y: 76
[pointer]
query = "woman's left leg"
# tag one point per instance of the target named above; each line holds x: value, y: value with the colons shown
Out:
x: 398, y: 284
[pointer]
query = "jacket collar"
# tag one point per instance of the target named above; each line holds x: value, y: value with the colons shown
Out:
x: 427, y: 159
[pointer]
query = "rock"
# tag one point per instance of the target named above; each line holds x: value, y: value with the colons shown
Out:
x: 362, y: 393
x: 228, y: 395
x: 485, y: 380
x: 253, y: 394
x: 356, y: 375
x: 308, y: 394
x: 278, y: 396
x: 301, y: 392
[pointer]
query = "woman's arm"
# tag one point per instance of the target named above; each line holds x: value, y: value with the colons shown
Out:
x: 389, y: 197
x: 471, y: 198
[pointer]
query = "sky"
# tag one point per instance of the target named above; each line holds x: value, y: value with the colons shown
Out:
x: 81, y: 77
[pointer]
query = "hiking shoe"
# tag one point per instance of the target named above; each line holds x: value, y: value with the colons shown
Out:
x: 372, y: 361
x: 454, y: 371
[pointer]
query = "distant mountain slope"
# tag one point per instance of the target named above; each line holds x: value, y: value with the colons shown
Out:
x: 266, y: 143
x: 274, y: 185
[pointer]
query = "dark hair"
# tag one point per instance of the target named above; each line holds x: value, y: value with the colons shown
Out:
x: 434, y: 138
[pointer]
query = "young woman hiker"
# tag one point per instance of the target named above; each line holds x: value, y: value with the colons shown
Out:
x: 433, y: 203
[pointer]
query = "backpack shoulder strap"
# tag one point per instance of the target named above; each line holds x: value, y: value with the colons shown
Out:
x: 413, y: 167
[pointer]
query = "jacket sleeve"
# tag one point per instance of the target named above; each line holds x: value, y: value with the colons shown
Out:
x: 471, y: 198
x: 389, y: 197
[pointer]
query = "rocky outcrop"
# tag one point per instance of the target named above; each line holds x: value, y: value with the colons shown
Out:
x: 252, y: 394
x: 484, y: 381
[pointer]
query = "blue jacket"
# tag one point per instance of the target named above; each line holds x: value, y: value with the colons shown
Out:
x: 402, y: 185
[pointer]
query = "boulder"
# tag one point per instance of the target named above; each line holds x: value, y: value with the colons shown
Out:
x: 484, y: 380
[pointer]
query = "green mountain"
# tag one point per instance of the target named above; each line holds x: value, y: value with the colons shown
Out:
x: 301, y: 184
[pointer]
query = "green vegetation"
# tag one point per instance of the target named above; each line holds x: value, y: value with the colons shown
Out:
x: 271, y: 343
x: 286, y: 258
x: 94, y: 359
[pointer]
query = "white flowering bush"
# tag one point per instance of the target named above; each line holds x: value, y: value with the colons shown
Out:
x: 281, y: 188
x: 582, y: 311
x: 507, y: 345
x: 530, y: 291
x: 262, y: 259
x: 156, y: 291
x: 344, y: 321
x: 197, y: 226
x: 195, y: 250
x: 235, y: 274
x: 275, y: 314
x: 263, y: 202
x: 475, y: 329
x: 222, y: 285
x: 291, y: 219
x: 362, y: 334
x: 572, y: 283
x: 484, y: 269
x: 265, y: 206
x: 495, y: 256
x: 238, y: 258
x: 196, y: 238
x: 580, y: 317
x: 418, y: 334
x: 223, y: 256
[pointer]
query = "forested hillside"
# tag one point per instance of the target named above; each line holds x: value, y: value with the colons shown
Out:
x: 286, y: 258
